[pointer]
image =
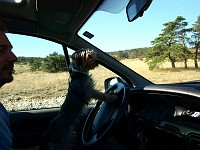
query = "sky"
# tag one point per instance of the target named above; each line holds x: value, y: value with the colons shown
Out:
x: 143, y: 30
x: 136, y: 34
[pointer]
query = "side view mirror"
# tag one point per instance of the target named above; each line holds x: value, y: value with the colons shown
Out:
x: 111, y: 81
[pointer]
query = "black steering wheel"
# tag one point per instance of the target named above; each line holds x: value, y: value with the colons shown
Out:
x: 105, y: 115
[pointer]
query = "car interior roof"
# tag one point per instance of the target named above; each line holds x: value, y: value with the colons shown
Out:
x: 47, y: 17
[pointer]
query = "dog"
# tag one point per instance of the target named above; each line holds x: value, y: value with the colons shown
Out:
x: 81, y: 89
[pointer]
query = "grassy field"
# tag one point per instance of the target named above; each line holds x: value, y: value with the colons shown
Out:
x: 39, y: 85
x: 164, y: 74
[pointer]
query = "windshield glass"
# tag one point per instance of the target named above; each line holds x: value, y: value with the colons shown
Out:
x: 162, y: 45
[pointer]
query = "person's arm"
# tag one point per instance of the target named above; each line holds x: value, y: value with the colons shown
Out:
x: 5, y: 133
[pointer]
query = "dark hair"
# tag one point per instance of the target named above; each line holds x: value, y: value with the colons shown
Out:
x: 2, y: 27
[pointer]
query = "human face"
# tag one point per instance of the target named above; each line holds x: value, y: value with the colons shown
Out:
x: 7, y: 59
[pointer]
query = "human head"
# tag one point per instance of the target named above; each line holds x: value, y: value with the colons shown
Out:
x: 7, y: 57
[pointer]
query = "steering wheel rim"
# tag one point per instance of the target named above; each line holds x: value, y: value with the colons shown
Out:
x: 105, y: 115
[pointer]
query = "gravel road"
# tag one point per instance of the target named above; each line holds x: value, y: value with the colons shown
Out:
x: 28, y: 104
x: 24, y: 103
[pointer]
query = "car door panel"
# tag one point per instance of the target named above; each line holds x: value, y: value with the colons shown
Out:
x: 28, y: 126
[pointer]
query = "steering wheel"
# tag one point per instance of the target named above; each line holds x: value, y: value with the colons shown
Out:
x: 105, y: 115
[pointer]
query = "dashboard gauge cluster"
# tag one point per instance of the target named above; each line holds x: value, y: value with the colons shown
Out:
x: 157, y: 112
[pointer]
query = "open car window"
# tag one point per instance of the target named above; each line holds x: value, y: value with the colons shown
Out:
x: 35, y: 85
x: 41, y: 75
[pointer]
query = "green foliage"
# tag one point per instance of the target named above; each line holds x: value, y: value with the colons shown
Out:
x: 122, y: 54
x: 54, y: 63
x: 138, y: 52
x: 155, y: 61
x: 195, y: 40
x: 131, y: 54
x: 35, y: 64
x: 22, y: 60
x: 196, y: 31
x: 170, y: 44
x: 155, y: 56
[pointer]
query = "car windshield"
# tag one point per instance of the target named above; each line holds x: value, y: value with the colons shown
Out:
x: 162, y: 45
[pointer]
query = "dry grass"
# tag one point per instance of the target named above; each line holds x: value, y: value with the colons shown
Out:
x: 99, y: 74
x: 164, y: 74
x: 38, y: 85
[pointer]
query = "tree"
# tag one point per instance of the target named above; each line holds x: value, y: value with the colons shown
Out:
x: 22, y: 60
x: 156, y: 55
x: 138, y: 53
x: 122, y: 54
x: 35, y: 64
x: 54, y: 63
x: 195, y: 40
x: 170, y: 44
x: 182, y: 38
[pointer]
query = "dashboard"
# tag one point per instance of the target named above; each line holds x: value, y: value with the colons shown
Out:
x: 168, y: 113
x: 157, y: 112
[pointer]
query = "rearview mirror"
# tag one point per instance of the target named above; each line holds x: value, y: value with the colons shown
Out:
x: 136, y: 8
